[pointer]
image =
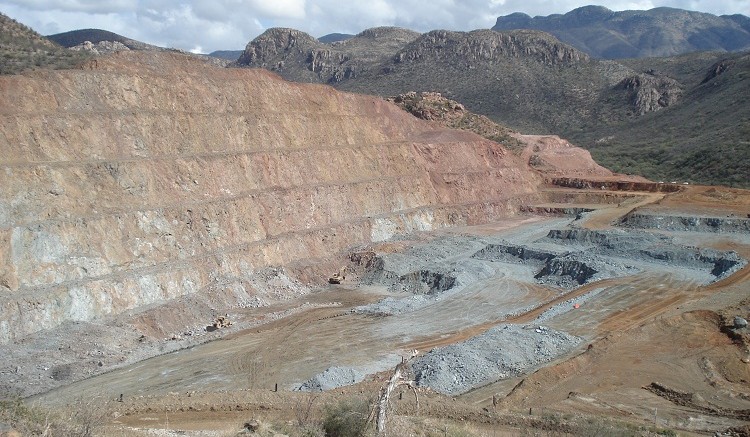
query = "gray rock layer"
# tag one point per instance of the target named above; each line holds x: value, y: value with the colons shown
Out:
x: 502, y: 352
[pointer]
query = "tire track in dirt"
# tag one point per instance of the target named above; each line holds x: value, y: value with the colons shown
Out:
x: 526, y: 317
x: 604, y: 217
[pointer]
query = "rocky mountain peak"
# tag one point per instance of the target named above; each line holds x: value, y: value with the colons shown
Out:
x: 298, y: 56
x: 276, y: 41
x: 385, y: 31
x: 588, y: 14
x: 489, y: 46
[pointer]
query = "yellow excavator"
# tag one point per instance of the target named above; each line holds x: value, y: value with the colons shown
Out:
x: 338, y: 276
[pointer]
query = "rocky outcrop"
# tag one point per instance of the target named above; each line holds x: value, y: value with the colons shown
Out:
x: 100, y: 48
x: 718, y: 69
x: 298, y: 56
x: 435, y: 107
x: 650, y: 91
x: 263, y: 50
x: 488, y: 46
x: 75, y: 38
x: 150, y: 176
x: 549, y: 154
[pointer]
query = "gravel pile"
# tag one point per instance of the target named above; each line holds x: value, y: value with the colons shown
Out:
x: 332, y: 377
x: 502, y: 352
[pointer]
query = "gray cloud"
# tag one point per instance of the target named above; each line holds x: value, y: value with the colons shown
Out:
x: 208, y: 25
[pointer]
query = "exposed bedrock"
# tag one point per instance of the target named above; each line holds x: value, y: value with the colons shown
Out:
x: 566, y: 269
x: 614, y: 185
x: 426, y: 269
x: 147, y: 177
x: 503, y: 252
x: 686, y: 223
x: 643, y: 246
x: 578, y: 271
x: 419, y: 281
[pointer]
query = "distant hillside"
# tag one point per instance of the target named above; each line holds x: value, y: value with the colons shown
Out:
x: 334, y: 37
x: 23, y: 49
x: 532, y: 82
x: 633, y: 34
x: 78, y: 37
x: 102, y: 42
x: 230, y: 55
x: 705, y: 137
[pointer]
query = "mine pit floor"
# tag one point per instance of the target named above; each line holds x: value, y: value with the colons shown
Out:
x: 660, y: 324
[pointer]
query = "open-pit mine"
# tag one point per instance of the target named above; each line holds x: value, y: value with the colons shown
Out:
x: 168, y: 229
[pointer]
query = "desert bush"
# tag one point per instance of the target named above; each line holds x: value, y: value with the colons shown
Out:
x: 79, y: 419
x: 446, y: 431
x: 347, y: 418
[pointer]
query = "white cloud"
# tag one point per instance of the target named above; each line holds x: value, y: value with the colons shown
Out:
x: 281, y: 9
x: 230, y: 24
x: 89, y: 6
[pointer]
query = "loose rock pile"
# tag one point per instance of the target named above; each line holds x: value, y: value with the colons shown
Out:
x: 502, y: 352
x: 332, y: 377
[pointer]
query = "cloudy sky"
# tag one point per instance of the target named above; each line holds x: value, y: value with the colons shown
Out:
x: 208, y: 25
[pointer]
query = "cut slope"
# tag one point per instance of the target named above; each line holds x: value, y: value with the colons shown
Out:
x: 120, y: 189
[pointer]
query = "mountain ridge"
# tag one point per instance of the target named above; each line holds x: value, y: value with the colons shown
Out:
x: 661, y: 31
x: 79, y: 36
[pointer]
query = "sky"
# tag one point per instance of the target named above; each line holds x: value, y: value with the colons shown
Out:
x: 202, y: 26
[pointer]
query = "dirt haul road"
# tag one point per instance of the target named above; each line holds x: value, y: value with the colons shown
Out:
x: 663, y: 324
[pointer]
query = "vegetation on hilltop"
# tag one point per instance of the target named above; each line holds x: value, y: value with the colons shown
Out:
x: 704, y: 138
x: 77, y: 37
x: 22, y: 49
x: 630, y: 34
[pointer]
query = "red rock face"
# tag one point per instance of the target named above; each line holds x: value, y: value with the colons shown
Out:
x: 152, y: 176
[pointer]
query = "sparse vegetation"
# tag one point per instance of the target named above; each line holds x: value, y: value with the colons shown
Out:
x: 22, y: 49
x: 347, y: 418
x: 656, y: 32
x: 80, y: 419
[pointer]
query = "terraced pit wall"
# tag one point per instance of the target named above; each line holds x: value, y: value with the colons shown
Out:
x: 147, y: 177
x: 615, y: 185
